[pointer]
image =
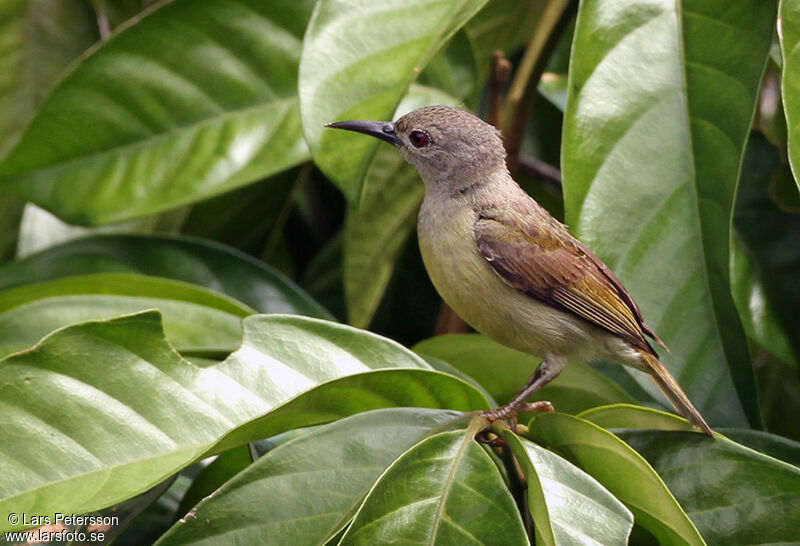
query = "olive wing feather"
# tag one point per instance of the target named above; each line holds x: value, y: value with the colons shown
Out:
x: 543, y: 260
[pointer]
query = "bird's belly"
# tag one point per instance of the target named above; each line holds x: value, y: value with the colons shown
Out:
x: 467, y: 282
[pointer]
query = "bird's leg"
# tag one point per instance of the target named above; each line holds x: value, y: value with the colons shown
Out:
x: 546, y: 372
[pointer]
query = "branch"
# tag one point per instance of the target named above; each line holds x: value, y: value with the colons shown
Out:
x: 524, y: 87
x: 539, y: 169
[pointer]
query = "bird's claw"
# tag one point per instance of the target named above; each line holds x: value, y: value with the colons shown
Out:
x: 510, y: 411
x: 542, y: 406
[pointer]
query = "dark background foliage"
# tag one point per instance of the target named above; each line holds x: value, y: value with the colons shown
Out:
x: 215, y: 324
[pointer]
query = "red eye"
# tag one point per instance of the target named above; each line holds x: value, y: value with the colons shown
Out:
x: 419, y: 139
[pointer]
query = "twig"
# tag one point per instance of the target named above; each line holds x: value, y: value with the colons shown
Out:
x: 539, y: 169
x: 280, y: 222
x: 523, y: 91
x: 103, y: 26
x: 448, y: 322
x: 498, y: 78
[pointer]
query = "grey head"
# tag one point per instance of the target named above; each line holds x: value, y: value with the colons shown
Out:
x: 448, y: 146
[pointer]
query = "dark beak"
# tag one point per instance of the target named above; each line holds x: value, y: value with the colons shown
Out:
x: 383, y: 130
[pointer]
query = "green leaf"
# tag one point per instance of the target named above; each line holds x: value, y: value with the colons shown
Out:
x: 789, y: 34
x: 153, y: 507
x: 11, y: 211
x: 770, y: 444
x: 733, y: 494
x: 453, y: 73
x: 568, y: 506
x: 554, y: 88
x: 187, y: 259
x: 119, y: 11
x: 37, y: 41
x: 622, y: 471
x: 377, y: 229
x: 359, y: 392
x: 358, y: 61
x: 752, y: 297
x: 212, y: 477
x: 154, y: 521
x: 197, y: 98
x: 628, y: 416
x: 444, y: 490
x: 121, y: 377
x: 765, y: 279
x: 94, y: 373
x: 503, y: 372
x: 502, y: 24
x: 194, y: 318
x: 318, y: 479
x: 446, y: 367
x: 247, y: 218
x: 650, y: 171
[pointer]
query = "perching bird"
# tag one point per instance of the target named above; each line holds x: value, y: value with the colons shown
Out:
x: 508, y: 268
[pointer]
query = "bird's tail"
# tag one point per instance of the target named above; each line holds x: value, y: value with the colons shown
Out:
x: 673, y: 392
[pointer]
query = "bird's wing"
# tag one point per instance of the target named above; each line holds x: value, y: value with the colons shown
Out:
x: 541, y: 258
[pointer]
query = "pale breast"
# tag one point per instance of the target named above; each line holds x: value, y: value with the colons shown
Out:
x: 469, y: 285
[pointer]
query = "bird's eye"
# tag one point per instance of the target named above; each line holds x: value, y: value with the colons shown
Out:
x: 419, y: 139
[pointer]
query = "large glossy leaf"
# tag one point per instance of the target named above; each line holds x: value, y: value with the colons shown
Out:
x: 37, y: 41
x: 624, y: 416
x: 186, y: 259
x: 628, y: 416
x: 622, y: 471
x: 568, y: 506
x: 770, y: 444
x: 377, y: 229
x: 504, y: 371
x: 351, y: 394
x: 318, y: 479
x: 444, y: 490
x: 733, y: 494
x: 196, y: 98
x: 789, y: 34
x: 650, y: 170
x: 70, y: 402
x: 195, y: 319
x: 358, y: 60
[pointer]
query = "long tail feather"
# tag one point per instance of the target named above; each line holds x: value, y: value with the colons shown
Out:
x: 673, y: 392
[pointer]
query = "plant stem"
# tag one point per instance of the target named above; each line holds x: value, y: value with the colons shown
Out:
x: 523, y: 90
x: 498, y: 78
x: 280, y: 223
x: 103, y: 26
x: 539, y: 169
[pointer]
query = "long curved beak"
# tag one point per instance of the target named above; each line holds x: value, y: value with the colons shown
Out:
x: 383, y: 130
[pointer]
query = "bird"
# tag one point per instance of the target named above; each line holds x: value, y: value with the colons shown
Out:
x: 506, y: 266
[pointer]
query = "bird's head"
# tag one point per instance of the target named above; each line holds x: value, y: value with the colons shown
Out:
x: 446, y: 145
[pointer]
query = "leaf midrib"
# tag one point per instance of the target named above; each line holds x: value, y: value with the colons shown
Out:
x: 448, y: 485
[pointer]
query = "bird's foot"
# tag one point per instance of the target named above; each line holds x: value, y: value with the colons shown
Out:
x: 510, y: 411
